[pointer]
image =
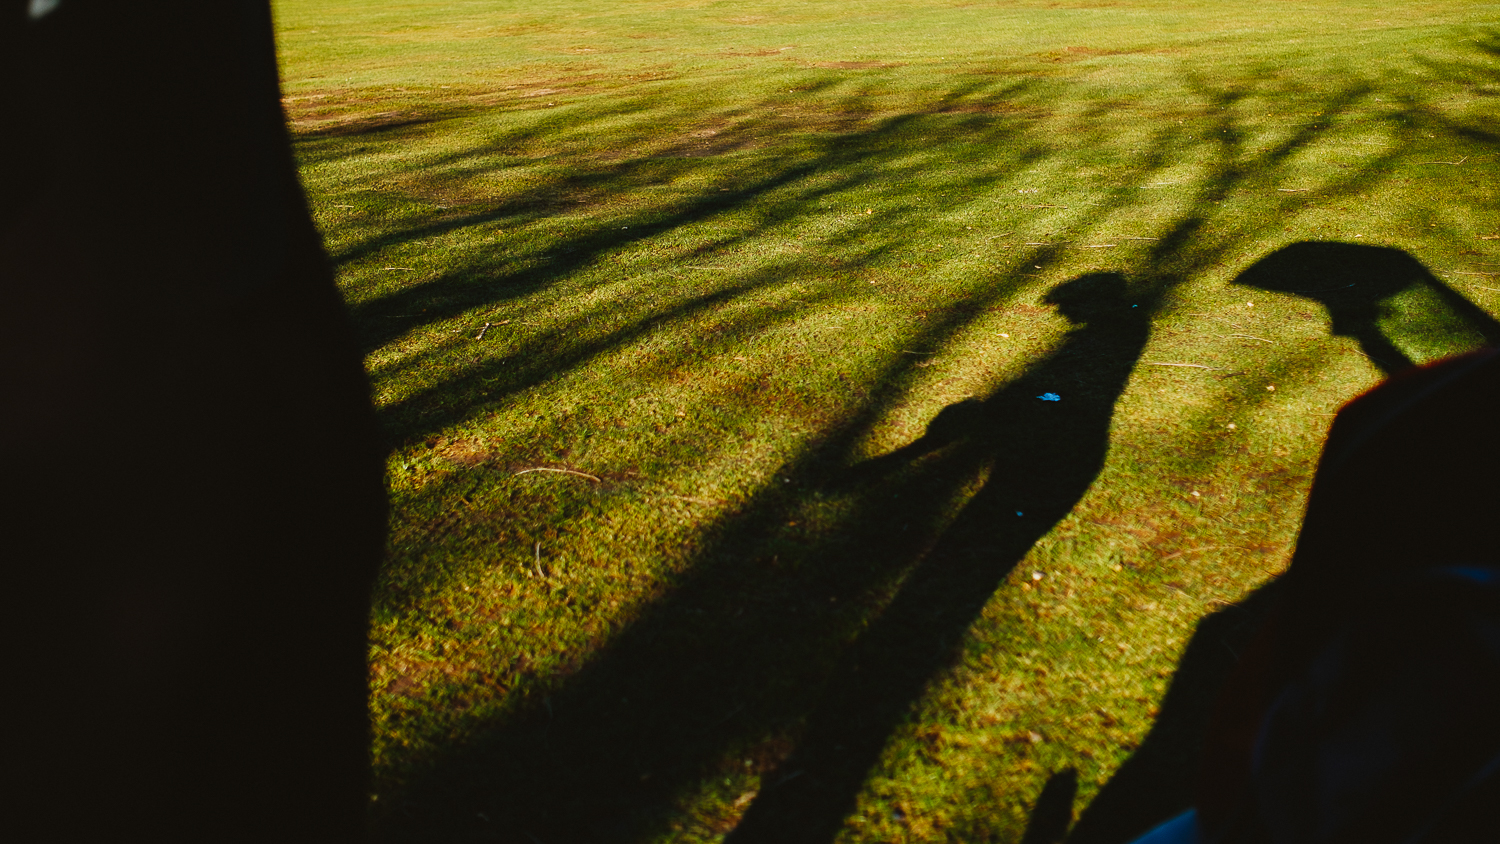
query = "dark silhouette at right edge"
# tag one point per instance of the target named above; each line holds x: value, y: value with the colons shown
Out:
x: 1405, y: 491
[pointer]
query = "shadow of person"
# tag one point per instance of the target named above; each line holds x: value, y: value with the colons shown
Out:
x: 1354, y: 282
x: 1040, y: 457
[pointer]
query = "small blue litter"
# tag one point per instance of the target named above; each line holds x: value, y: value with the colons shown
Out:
x: 1050, y: 397
x: 1018, y: 512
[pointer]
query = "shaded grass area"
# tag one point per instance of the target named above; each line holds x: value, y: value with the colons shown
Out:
x: 709, y: 341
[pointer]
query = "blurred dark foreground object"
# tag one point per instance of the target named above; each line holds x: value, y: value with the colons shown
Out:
x: 1368, y: 708
x: 193, y: 502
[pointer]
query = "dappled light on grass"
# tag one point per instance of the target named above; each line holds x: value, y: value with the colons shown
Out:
x: 723, y: 492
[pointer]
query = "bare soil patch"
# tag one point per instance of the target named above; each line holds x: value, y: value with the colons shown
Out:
x: 856, y: 65
x: 768, y: 51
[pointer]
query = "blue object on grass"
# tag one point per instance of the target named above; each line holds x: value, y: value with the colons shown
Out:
x: 1050, y: 397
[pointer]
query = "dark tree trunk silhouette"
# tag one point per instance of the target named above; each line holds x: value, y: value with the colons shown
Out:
x: 193, y: 504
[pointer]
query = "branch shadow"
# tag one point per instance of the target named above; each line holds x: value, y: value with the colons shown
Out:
x: 864, y: 149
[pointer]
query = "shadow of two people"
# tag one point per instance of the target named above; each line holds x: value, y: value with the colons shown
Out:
x: 1040, y: 458
x: 1038, y: 443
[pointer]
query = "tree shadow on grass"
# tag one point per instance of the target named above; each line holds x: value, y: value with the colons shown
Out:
x: 1003, y: 120
x: 789, y: 656
x: 869, y: 152
x: 1053, y: 811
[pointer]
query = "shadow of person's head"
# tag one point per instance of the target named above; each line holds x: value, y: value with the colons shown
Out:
x: 1092, y: 298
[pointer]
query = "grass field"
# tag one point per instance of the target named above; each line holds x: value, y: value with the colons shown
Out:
x: 709, y: 338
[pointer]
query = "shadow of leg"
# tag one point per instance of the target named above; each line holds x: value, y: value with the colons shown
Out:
x: 1053, y: 812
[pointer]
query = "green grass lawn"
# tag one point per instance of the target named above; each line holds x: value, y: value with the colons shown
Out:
x: 660, y: 298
